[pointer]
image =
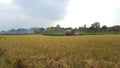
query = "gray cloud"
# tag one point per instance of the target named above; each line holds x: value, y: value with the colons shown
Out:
x: 32, y: 13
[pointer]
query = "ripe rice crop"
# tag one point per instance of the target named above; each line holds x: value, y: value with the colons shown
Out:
x: 37, y: 51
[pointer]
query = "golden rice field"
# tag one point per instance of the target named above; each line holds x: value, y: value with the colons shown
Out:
x: 37, y: 51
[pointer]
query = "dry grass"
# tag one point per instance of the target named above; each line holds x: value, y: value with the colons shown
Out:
x: 36, y: 51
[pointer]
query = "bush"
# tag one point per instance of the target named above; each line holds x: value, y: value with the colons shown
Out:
x: 52, y: 34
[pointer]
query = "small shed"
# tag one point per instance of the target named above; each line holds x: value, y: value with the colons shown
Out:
x: 70, y: 32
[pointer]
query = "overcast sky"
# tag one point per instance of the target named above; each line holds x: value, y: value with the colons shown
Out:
x: 31, y: 13
x: 67, y: 13
x: 81, y: 12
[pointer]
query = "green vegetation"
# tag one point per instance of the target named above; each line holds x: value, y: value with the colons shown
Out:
x: 37, y: 51
x: 94, y: 29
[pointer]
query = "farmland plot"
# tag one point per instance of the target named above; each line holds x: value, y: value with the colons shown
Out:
x: 37, y: 51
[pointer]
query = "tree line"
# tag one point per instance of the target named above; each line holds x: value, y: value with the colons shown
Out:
x: 95, y: 28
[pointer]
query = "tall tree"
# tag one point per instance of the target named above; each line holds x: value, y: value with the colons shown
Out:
x: 104, y: 28
x: 96, y: 25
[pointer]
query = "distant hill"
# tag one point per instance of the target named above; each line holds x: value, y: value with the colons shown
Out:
x: 19, y: 31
